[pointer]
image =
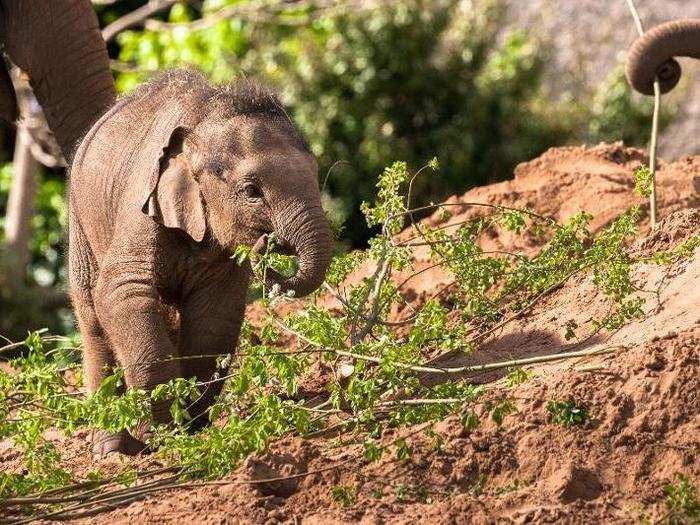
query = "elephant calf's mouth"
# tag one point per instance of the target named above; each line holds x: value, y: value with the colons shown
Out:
x: 280, y: 245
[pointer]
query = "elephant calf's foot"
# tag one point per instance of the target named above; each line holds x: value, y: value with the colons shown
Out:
x: 106, y: 443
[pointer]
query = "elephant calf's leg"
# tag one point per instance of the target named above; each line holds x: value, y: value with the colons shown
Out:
x: 98, y: 354
x: 98, y: 364
x: 130, y: 311
x: 210, y: 322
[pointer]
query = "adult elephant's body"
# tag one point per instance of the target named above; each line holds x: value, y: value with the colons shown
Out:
x: 162, y: 189
x: 652, y: 55
x: 58, y: 44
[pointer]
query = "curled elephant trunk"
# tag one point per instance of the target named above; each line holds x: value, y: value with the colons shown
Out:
x: 651, y: 55
x: 307, y: 234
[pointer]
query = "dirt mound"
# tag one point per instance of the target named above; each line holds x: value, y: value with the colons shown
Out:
x: 643, y: 401
x: 643, y: 429
x: 599, y: 180
x: 558, y: 184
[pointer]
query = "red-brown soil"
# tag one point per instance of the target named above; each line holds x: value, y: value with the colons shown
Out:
x: 644, y: 399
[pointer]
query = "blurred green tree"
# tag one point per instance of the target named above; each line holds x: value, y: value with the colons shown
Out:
x: 43, y: 302
x: 617, y: 113
x: 399, y: 80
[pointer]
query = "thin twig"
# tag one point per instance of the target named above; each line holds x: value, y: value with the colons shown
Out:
x: 251, y: 9
x: 482, y: 335
x: 422, y: 401
x: 11, y: 346
x: 330, y: 170
x: 114, y: 499
x: 602, y: 368
x: 652, y: 152
x: 108, y: 499
x: 376, y: 303
x: 654, y: 123
x: 635, y: 16
x: 530, y: 213
x: 380, y: 273
x: 265, y: 12
x: 105, y: 507
x: 335, y: 293
x: 82, y: 485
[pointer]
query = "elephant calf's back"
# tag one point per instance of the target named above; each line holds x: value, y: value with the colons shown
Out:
x: 103, y: 184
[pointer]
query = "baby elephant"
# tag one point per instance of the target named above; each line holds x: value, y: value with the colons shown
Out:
x: 163, y: 187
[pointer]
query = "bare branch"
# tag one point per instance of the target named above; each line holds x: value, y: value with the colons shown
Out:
x: 460, y: 369
x: 250, y: 9
x: 113, y: 499
x: 135, y: 18
x: 270, y: 11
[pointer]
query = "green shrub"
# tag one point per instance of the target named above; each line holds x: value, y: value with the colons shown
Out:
x: 343, y: 495
x: 567, y: 413
x: 682, y: 501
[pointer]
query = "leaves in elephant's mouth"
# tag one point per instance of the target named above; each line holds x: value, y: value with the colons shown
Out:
x: 241, y: 254
x: 285, y: 265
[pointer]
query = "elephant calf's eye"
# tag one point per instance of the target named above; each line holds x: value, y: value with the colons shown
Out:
x: 252, y: 191
x: 217, y: 168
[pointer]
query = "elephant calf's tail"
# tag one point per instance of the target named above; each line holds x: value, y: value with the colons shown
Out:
x: 8, y: 99
x: 651, y: 55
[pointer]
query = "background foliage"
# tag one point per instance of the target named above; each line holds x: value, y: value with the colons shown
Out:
x: 411, y: 80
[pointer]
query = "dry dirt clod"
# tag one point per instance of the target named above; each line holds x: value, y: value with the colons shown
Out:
x: 569, y: 482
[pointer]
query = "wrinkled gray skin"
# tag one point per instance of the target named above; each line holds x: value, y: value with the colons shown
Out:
x: 651, y: 55
x: 162, y: 189
x: 58, y: 45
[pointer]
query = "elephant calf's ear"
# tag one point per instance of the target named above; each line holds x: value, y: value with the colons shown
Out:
x: 176, y: 201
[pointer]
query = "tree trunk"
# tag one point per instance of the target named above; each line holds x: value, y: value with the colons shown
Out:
x: 20, y: 204
x: 20, y: 209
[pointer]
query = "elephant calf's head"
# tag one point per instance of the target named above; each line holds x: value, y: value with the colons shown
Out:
x: 234, y: 170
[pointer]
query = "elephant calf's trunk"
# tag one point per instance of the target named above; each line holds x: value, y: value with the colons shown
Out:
x: 312, y: 243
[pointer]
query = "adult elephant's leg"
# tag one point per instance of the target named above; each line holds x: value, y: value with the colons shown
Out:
x: 136, y: 322
x: 59, y: 45
x: 210, y: 321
